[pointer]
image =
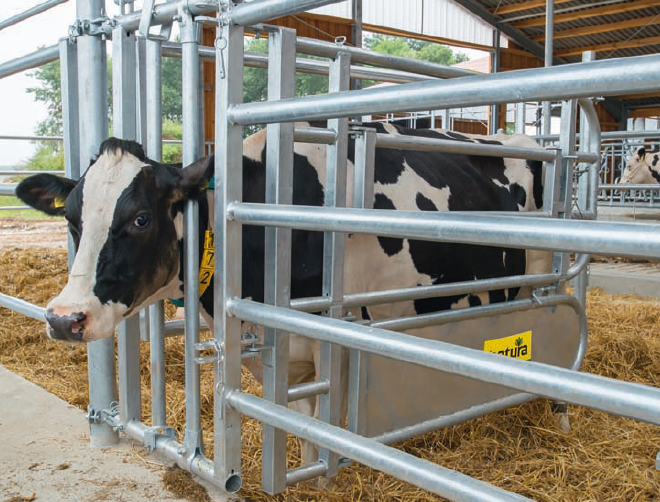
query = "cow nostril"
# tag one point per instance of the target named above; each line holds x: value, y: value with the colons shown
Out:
x: 66, y: 327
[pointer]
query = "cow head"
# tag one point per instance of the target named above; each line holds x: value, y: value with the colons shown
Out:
x: 642, y: 167
x: 125, y: 217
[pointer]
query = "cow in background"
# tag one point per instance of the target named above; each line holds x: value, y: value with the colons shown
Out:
x: 642, y: 167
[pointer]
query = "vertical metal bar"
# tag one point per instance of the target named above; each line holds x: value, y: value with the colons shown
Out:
x: 549, y: 34
x: 157, y: 311
x: 279, y: 190
x: 356, y: 34
x: 93, y: 129
x: 333, y: 257
x: 190, y: 88
x: 70, y: 119
x: 363, y: 196
x: 494, y: 109
x: 141, y: 91
x: 228, y: 237
x: 124, y: 101
x: 520, y: 117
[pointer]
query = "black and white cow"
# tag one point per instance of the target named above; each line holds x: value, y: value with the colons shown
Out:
x: 642, y: 167
x: 126, y: 217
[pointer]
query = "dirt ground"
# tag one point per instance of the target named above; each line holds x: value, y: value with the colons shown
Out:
x: 15, y: 232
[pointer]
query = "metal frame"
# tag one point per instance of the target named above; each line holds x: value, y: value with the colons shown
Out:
x: 86, y: 104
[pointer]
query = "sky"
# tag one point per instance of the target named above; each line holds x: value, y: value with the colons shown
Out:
x: 20, y: 112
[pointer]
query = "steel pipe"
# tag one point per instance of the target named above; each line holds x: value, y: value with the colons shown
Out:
x: 424, y: 144
x: 606, y: 77
x: 422, y: 473
x: 259, y: 11
x: 330, y: 50
x: 23, y: 307
x: 33, y: 11
x: 30, y: 61
x: 640, y: 240
x: 601, y: 393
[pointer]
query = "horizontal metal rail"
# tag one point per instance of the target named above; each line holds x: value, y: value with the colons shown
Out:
x: 8, y: 188
x: 305, y: 134
x: 599, y: 78
x: 37, y: 9
x: 9, y: 172
x: 30, y: 61
x: 23, y: 307
x: 597, y: 392
x: 303, y: 65
x: 32, y: 138
x: 628, y: 187
x: 609, y: 135
x: 424, y: 144
x: 601, y: 237
x: 420, y: 472
x: 14, y: 208
x: 330, y: 50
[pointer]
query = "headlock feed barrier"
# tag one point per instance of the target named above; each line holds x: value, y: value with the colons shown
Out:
x: 375, y: 348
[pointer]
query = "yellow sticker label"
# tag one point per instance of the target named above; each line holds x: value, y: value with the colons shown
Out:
x: 59, y: 201
x: 518, y: 346
x: 206, y: 265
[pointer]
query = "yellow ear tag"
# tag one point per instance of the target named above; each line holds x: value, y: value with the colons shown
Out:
x: 59, y: 201
x: 206, y: 265
x: 641, y: 157
x: 204, y: 184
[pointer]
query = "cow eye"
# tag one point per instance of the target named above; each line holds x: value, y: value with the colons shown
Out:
x: 141, y: 221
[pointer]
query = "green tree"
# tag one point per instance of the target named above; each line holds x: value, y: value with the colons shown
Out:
x: 412, y: 48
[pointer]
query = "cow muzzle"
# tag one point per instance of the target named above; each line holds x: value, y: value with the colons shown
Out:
x: 68, y: 327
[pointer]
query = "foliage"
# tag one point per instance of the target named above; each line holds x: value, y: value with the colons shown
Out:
x: 411, y: 48
x: 172, y: 130
x: 47, y: 158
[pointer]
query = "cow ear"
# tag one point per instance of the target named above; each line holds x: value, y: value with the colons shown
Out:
x: 641, y: 153
x: 197, y: 177
x: 45, y: 192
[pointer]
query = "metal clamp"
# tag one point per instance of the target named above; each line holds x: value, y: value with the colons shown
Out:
x: 213, y: 345
x: 151, y: 435
x: 110, y: 416
x: 88, y: 27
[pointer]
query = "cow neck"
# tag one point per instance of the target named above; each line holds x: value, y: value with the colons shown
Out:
x: 206, y: 262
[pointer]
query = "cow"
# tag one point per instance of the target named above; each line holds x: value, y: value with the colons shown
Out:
x: 642, y: 167
x: 125, y: 215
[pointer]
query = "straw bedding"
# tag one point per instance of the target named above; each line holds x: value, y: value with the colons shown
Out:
x: 603, y: 458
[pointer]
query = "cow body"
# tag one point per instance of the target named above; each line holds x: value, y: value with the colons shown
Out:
x: 126, y: 218
x: 642, y: 167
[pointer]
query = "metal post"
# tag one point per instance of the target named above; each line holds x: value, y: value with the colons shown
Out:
x: 70, y: 120
x: 190, y: 88
x: 124, y: 114
x: 333, y: 258
x: 154, y: 148
x: 549, y: 33
x: 227, y: 270
x: 279, y: 190
x: 495, y: 60
x: 520, y: 117
x: 93, y: 129
x: 356, y: 34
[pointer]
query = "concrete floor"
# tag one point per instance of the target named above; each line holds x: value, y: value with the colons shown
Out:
x: 45, y: 454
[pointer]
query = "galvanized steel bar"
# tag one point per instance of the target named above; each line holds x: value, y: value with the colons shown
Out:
x: 190, y: 86
x: 330, y: 50
x: 422, y: 473
x: 606, y: 77
x: 93, y: 129
x: 363, y: 168
x: 258, y: 11
x: 277, y: 243
x: 227, y: 270
x: 601, y: 393
x: 33, y: 11
x: 425, y: 144
x: 309, y: 389
x: 29, y: 61
x: 154, y: 147
x: 124, y: 118
x: 303, y: 134
x: 607, y: 238
x: 333, y: 258
x: 23, y: 307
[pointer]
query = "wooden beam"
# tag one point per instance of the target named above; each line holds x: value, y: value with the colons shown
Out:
x: 581, y: 14
x: 517, y: 7
x: 644, y: 112
x: 640, y: 42
x: 420, y: 36
x: 599, y: 28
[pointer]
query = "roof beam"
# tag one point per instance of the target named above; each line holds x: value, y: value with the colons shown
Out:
x: 599, y: 28
x: 517, y: 7
x: 638, y: 42
x: 387, y: 30
x: 581, y: 14
x: 514, y: 34
x: 643, y: 112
